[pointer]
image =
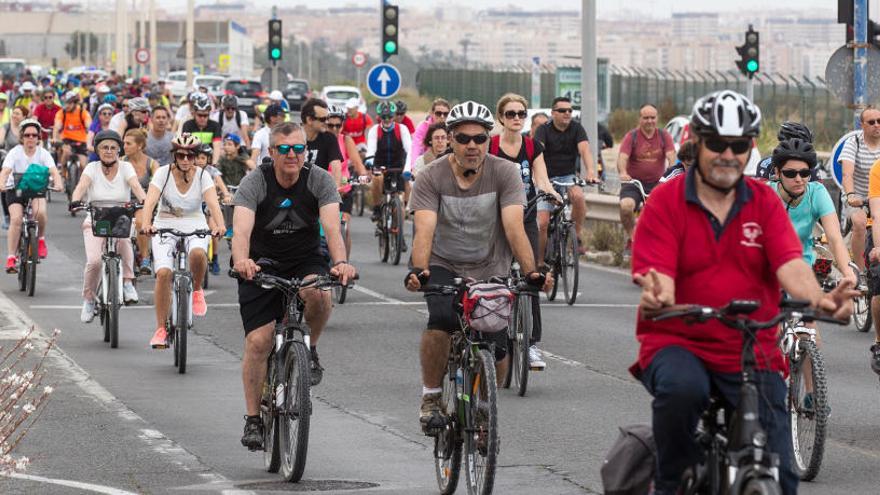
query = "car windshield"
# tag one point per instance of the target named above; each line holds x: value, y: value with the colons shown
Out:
x: 244, y: 86
x: 211, y: 83
x: 297, y: 87
x: 11, y: 68
x: 341, y: 94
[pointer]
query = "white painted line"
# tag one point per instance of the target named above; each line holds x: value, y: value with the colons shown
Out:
x: 134, y: 306
x: 385, y: 303
x: 588, y: 305
x: 608, y: 269
x: 565, y: 360
x: 382, y: 297
x: 109, y: 490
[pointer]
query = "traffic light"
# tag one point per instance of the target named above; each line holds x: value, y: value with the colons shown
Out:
x: 275, y: 40
x: 749, y: 53
x: 389, y: 31
x: 845, y: 16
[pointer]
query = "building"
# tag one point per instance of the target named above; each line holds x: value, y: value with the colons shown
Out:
x: 222, y: 46
x: 691, y: 25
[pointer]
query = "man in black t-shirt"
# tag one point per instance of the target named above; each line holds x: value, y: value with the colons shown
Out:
x: 322, y: 146
x: 207, y: 130
x: 564, y: 141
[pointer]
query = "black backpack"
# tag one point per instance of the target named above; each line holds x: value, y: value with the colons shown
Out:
x: 629, y: 466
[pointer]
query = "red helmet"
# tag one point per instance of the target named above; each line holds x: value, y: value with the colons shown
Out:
x: 145, y: 79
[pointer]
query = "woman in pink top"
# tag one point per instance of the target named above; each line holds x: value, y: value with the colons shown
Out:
x: 439, y: 112
x: 350, y: 158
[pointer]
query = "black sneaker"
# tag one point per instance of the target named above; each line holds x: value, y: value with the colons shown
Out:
x: 875, y: 357
x: 317, y: 370
x: 431, y: 414
x: 376, y: 214
x: 253, y: 433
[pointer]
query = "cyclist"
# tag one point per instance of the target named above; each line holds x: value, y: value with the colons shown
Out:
x: 159, y: 136
x: 468, y: 223
x: 137, y: 117
x: 388, y: 144
x: 234, y: 163
x: 645, y: 154
x: 356, y: 124
x: 71, y: 129
x: 201, y: 126
x: 203, y: 161
x: 564, y: 142
x: 788, y: 130
x: 272, y: 116
x: 708, y: 237
x: 5, y: 109
x: 17, y: 161
x: 438, y: 114
x: 45, y: 111
x: 26, y: 98
x: 100, y: 123
x: 178, y: 190
x: 351, y: 161
x: 231, y: 119
x: 401, y: 118
x: 107, y: 179
x: 437, y: 145
x: 323, y: 147
x: 687, y: 154
x: 529, y: 158
x: 858, y: 155
x: 268, y: 223
x: 538, y: 120
x: 184, y: 111
x: 134, y: 144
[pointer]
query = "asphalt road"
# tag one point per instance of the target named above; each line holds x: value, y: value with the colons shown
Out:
x: 123, y: 421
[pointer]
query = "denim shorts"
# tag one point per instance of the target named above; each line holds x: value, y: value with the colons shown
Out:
x: 548, y: 206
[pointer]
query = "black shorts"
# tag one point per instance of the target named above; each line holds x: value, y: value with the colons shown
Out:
x: 443, y: 315
x: 14, y: 197
x: 401, y: 184
x: 259, y: 306
x: 347, y: 203
x: 873, y: 266
x: 632, y: 192
x: 77, y: 147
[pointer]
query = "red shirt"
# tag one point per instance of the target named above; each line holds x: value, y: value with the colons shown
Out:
x: 409, y: 124
x: 357, y: 126
x: 647, y: 158
x: 45, y: 114
x: 676, y: 237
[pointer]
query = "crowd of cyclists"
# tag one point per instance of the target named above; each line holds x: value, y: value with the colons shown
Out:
x: 705, y: 233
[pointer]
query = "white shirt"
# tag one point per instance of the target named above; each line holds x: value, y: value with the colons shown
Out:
x: 18, y: 161
x: 183, y: 114
x: 101, y: 189
x: 229, y: 126
x: 116, y: 122
x: 261, y: 142
x: 405, y: 139
x: 181, y: 210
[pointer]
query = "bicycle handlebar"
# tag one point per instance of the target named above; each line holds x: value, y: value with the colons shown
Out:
x: 177, y: 233
x: 132, y: 207
x: 289, y: 284
x: 638, y: 184
x: 577, y: 182
x: 733, y: 314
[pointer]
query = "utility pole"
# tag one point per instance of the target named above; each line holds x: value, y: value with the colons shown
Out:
x: 190, y: 40
x: 589, y: 78
x: 860, y: 59
x: 88, y: 34
x: 141, y: 32
x: 120, y: 36
x: 154, y: 49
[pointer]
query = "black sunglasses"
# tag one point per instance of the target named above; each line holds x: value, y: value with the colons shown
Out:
x: 873, y: 121
x: 30, y: 135
x: 441, y: 114
x: 513, y: 113
x: 334, y: 126
x: 320, y: 119
x: 182, y: 155
x: 718, y: 145
x: 197, y: 115
x: 284, y: 149
x: 467, y: 138
x: 563, y: 110
x: 791, y: 173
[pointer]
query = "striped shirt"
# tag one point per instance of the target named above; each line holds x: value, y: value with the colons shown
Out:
x: 856, y: 151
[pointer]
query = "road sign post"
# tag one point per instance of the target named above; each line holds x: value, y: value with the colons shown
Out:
x: 383, y: 81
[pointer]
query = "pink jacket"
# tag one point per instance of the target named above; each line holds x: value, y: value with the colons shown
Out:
x: 418, y: 145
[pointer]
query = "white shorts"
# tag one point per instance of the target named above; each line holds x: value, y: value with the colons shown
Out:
x: 163, y: 246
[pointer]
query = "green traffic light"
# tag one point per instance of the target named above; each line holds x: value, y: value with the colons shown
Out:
x: 276, y: 54
x: 390, y: 47
x: 752, y: 65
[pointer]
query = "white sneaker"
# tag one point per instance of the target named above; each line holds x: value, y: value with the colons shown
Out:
x: 536, y: 359
x: 129, y: 293
x: 88, y: 312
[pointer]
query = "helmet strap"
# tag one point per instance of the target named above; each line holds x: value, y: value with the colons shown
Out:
x: 183, y: 173
x: 794, y: 199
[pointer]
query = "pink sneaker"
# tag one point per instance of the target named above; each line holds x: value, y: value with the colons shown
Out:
x: 11, y: 264
x: 42, y: 251
x: 160, y: 339
x: 200, y: 307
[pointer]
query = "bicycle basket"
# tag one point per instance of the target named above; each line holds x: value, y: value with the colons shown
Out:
x: 111, y: 220
x: 487, y: 307
x: 822, y: 268
x: 33, y: 182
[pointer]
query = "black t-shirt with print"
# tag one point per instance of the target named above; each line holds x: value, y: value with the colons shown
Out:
x: 323, y: 149
x: 525, y: 170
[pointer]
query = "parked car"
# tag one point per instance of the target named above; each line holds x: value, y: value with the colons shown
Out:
x: 339, y: 95
x: 248, y: 91
x: 12, y: 67
x: 296, y: 93
x: 213, y: 83
x: 177, y: 83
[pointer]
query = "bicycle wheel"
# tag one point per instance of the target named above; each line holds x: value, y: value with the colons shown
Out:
x: 72, y: 180
x: 862, y: 304
x: 551, y: 258
x: 269, y: 416
x: 523, y: 336
x: 568, y: 257
x: 32, y: 260
x: 809, y: 415
x: 22, y: 262
x: 382, y: 233
x: 358, y: 200
x: 761, y: 486
x: 447, y: 443
x: 511, y: 345
x: 112, y: 305
x: 395, y: 232
x: 180, y: 329
x: 481, y: 428
x: 294, y: 418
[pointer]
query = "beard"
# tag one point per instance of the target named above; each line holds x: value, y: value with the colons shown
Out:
x: 723, y: 174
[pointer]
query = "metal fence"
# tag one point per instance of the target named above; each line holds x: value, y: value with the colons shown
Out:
x: 485, y: 85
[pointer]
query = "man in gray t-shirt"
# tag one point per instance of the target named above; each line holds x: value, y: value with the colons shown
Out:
x: 856, y: 158
x: 468, y: 223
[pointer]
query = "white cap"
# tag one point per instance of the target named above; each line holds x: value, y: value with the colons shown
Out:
x: 27, y: 86
x: 102, y: 88
x: 352, y: 103
x: 276, y: 95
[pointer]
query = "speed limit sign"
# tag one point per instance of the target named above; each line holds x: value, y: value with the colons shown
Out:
x: 142, y: 55
x: 359, y: 59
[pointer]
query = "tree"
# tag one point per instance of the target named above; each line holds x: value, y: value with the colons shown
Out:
x: 73, y: 48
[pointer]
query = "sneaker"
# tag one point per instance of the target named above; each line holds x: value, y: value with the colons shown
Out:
x: 88, y: 312
x: 628, y: 249
x: 12, y: 264
x: 215, y: 267
x: 129, y: 293
x: 431, y: 413
x: 145, y: 268
x: 317, y: 369
x: 42, y: 251
x: 253, y: 433
x: 536, y: 359
x: 377, y: 214
x: 875, y: 357
x: 160, y: 339
x: 200, y: 307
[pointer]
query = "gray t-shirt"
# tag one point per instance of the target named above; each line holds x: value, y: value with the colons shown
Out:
x: 159, y: 149
x: 469, y: 239
x: 856, y: 150
x: 252, y: 188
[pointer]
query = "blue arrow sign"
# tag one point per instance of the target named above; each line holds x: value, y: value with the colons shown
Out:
x: 383, y: 80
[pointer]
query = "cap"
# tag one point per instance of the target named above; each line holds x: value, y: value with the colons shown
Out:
x: 232, y: 137
x: 273, y: 110
x: 102, y: 88
x: 352, y: 103
x: 27, y: 86
x: 276, y: 95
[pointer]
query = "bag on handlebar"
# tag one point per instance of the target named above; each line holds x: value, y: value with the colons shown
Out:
x: 111, y: 221
x: 629, y: 466
x: 34, y: 181
x: 487, y: 307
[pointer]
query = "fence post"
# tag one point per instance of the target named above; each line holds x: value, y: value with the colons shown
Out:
x: 812, y: 111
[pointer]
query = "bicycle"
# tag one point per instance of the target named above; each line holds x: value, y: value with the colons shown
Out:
x: 180, y: 320
x: 27, y: 256
x: 736, y: 458
x: 469, y: 406
x: 390, y: 227
x: 71, y: 176
x: 285, y: 407
x: 358, y: 199
x: 112, y: 221
x: 519, y: 332
x: 562, y: 245
x: 862, y: 318
x: 340, y: 292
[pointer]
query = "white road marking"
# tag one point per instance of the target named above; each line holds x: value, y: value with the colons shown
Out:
x: 385, y: 303
x: 135, y: 306
x: 589, y: 305
x: 109, y: 490
x: 382, y: 297
x: 565, y: 360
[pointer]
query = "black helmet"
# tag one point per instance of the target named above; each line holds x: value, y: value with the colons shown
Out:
x: 107, y: 134
x: 401, y: 107
x: 794, y: 149
x: 205, y: 149
x: 791, y: 130
x: 725, y: 113
x: 229, y: 101
x: 386, y: 109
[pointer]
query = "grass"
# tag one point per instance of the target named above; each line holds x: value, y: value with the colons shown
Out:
x: 606, y: 236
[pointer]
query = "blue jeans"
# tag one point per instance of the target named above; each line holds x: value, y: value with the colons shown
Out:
x: 681, y: 385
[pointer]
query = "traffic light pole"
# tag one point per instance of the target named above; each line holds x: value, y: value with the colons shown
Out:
x: 860, y: 59
x: 750, y: 89
x: 274, y: 62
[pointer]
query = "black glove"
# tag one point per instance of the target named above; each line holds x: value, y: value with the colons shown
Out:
x: 418, y: 273
x: 74, y: 205
x: 536, y: 281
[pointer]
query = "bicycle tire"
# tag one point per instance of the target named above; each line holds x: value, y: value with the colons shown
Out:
x: 569, y: 261
x: 481, y: 422
x: 73, y: 178
x: 523, y: 337
x: 395, y: 235
x: 180, y: 329
x: 341, y: 293
x: 511, y: 345
x: 808, y: 428
x: 294, y: 431
x: 32, y: 260
x: 448, y: 442
x: 269, y: 417
x: 551, y: 259
x: 383, y: 234
x: 22, y: 262
x: 169, y: 328
x: 761, y: 486
x: 359, y: 200
x: 112, y: 303
x: 862, y: 317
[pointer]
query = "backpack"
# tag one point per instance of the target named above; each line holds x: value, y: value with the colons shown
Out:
x: 64, y: 117
x: 237, y: 118
x: 495, y: 147
x: 487, y: 307
x: 34, y: 181
x: 629, y: 466
x: 634, y: 134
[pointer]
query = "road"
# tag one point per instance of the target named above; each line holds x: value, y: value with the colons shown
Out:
x: 123, y: 421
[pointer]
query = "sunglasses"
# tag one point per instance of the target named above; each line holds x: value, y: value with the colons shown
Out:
x: 467, y: 138
x: 791, y: 173
x: 873, y: 121
x: 206, y: 115
x: 510, y: 114
x: 322, y: 120
x: 563, y: 110
x: 441, y: 114
x: 30, y: 135
x: 47, y: 98
x: 180, y: 155
x: 284, y: 149
x: 718, y: 145
x: 334, y: 126
x: 107, y: 114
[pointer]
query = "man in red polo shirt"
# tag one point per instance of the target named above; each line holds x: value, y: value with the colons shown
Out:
x: 707, y: 237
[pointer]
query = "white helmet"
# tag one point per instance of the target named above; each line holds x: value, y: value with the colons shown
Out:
x: 27, y: 86
x: 335, y: 111
x: 470, y: 112
x: 725, y: 113
x: 352, y: 103
x: 276, y: 95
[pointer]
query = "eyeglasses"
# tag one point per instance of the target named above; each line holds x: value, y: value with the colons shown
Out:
x: 203, y: 115
x: 284, y: 149
x: 718, y: 145
x: 107, y: 114
x: 440, y: 114
x: 108, y: 149
x: 182, y: 155
x: 873, y: 121
x: 440, y: 137
x: 334, y: 126
x: 47, y: 98
x: 791, y: 173
x: 322, y: 120
x: 563, y: 110
x: 510, y: 114
x: 467, y: 138
x: 30, y: 135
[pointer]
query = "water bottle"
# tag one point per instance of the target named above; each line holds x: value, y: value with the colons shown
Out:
x: 459, y: 378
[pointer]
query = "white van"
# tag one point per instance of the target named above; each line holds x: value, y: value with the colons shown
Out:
x: 12, y: 66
